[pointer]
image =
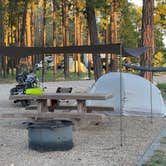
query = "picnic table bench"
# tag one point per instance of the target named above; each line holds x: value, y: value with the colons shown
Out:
x: 79, y: 97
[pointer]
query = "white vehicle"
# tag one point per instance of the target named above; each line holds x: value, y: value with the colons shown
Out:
x: 48, y: 62
x: 49, y: 65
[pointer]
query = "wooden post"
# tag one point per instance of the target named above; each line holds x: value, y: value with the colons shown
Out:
x: 81, y: 106
x: 42, y: 105
x: 53, y: 105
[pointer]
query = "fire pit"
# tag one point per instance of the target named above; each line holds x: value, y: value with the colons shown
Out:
x: 50, y: 135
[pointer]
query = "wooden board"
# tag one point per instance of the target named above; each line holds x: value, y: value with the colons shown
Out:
x: 26, y: 51
x: 89, y: 108
x: 74, y: 107
x: 58, y: 96
x: 57, y: 115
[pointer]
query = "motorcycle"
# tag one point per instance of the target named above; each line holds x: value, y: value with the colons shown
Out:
x: 25, y: 81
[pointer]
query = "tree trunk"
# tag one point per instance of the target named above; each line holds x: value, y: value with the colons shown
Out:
x: 44, y: 38
x: 1, y: 34
x: 32, y: 24
x: 55, y: 29
x: 14, y: 62
x: 77, y: 25
x: 28, y: 28
x: 113, y: 24
x: 37, y: 28
x: 75, y: 33
x: 91, y: 19
x: 44, y: 23
x: 65, y: 29
x: 22, y: 38
x: 22, y: 61
x: 106, y: 55
x: 32, y: 29
x: 28, y: 36
x: 148, y: 35
x: 17, y: 31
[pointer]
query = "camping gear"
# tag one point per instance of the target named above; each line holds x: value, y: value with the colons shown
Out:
x: 132, y: 94
x: 25, y: 81
x: 34, y: 91
x: 50, y: 135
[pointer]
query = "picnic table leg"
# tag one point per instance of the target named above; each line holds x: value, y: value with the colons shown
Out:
x: 53, y: 104
x: 81, y: 106
x: 42, y: 105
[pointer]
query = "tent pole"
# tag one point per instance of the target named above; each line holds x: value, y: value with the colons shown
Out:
x: 121, y: 114
x: 42, y: 68
x: 151, y: 81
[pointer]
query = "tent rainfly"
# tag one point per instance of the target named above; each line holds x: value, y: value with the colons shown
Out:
x: 138, y: 95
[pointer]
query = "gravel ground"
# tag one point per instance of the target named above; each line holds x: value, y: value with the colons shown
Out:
x: 159, y: 79
x: 96, y: 145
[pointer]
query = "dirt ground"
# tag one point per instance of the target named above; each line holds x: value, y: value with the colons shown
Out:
x: 95, y: 145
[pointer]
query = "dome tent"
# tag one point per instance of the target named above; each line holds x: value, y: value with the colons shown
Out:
x: 138, y: 95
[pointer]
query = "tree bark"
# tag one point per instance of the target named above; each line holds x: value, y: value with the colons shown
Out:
x: 1, y: 34
x: 65, y: 29
x: 113, y: 28
x: 44, y: 38
x: 91, y: 19
x: 44, y: 23
x: 148, y: 35
x: 77, y: 22
x: 22, y: 61
x: 37, y: 29
x: 55, y: 29
x: 28, y: 35
x: 32, y: 24
x: 22, y: 38
x: 32, y: 29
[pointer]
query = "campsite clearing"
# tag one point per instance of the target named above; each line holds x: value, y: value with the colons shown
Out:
x: 93, y: 145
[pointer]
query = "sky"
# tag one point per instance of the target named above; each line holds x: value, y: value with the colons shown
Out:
x: 136, y: 2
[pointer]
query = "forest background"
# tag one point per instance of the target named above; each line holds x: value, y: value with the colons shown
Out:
x: 56, y: 23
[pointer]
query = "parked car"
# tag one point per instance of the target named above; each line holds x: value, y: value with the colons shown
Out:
x: 49, y: 59
x: 38, y: 65
x: 48, y: 62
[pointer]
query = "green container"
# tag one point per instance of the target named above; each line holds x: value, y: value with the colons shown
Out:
x: 34, y: 91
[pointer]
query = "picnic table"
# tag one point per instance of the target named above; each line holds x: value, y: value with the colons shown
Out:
x: 42, y: 107
x: 79, y: 97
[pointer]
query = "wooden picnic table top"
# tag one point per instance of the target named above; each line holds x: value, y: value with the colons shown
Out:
x: 58, y: 96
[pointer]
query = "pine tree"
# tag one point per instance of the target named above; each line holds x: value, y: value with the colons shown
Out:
x: 91, y: 19
x: 1, y: 34
x: 148, y: 35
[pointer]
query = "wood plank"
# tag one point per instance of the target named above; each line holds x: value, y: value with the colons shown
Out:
x: 26, y: 51
x: 89, y: 108
x: 77, y: 96
x: 97, y: 108
x: 74, y: 107
x: 60, y: 115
